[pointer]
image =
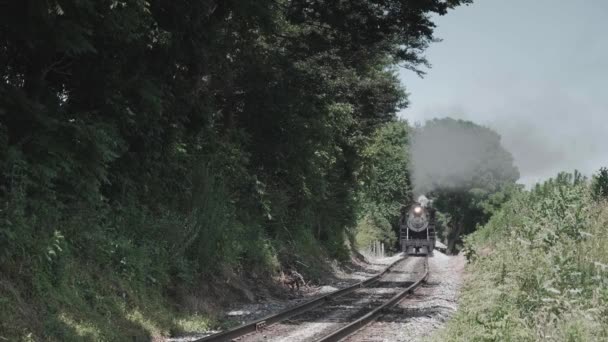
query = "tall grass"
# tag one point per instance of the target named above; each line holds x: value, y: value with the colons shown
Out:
x: 538, y: 270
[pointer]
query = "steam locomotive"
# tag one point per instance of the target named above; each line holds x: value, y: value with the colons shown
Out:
x: 417, y: 228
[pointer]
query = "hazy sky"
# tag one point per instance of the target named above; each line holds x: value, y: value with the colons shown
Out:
x: 536, y: 71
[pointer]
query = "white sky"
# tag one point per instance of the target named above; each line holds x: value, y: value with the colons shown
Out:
x: 536, y: 71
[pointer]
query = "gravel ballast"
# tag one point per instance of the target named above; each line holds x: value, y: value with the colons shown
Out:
x: 323, y: 320
x: 417, y: 316
x: 423, y: 312
x: 243, y: 313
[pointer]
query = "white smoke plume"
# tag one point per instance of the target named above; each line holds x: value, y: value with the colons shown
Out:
x: 448, y: 153
x: 424, y: 201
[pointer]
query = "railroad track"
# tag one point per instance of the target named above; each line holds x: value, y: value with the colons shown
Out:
x: 342, y: 312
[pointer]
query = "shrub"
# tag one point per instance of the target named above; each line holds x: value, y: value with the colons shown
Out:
x: 374, y: 227
x: 599, y: 184
x: 546, y: 275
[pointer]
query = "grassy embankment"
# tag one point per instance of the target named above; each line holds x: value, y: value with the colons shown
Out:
x: 75, y: 297
x: 124, y: 274
x: 539, y: 269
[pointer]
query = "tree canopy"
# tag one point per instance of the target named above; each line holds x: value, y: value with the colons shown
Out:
x: 385, y: 184
x: 204, y: 134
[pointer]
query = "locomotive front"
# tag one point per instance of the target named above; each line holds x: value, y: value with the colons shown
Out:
x: 417, y: 229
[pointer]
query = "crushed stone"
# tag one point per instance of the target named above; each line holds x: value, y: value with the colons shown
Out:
x: 420, y: 314
x: 243, y: 313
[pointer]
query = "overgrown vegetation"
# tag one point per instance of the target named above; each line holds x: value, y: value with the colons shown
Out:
x: 385, y: 185
x: 147, y: 145
x: 539, y: 268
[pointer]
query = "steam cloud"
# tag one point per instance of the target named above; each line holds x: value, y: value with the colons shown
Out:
x: 452, y: 154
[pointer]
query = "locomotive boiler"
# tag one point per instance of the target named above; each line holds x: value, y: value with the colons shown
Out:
x: 417, y: 228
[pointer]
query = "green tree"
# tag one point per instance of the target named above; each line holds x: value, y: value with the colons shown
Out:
x: 599, y: 184
x: 171, y: 139
x: 372, y: 228
x: 385, y: 183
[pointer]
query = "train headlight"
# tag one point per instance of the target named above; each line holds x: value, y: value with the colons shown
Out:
x: 417, y: 210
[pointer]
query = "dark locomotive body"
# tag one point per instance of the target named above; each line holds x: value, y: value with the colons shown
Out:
x: 417, y: 229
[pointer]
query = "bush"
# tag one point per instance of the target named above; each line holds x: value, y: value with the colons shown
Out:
x: 372, y: 228
x: 544, y: 271
x: 599, y: 184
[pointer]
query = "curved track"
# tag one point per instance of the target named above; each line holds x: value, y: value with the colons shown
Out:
x: 375, y: 313
x: 338, y: 314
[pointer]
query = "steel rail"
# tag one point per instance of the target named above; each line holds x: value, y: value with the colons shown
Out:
x: 290, y: 312
x: 372, y: 315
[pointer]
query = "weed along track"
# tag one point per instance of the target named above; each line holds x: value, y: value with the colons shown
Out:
x: 336, y: 315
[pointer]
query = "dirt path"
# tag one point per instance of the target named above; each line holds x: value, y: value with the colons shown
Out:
x: 426, y: 310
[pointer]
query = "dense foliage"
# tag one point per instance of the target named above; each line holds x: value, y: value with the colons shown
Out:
x: 463, y: 167
x: 599, y: 184
x: 385, y: 185
x: 145, y: 145
x: 539, y: 269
